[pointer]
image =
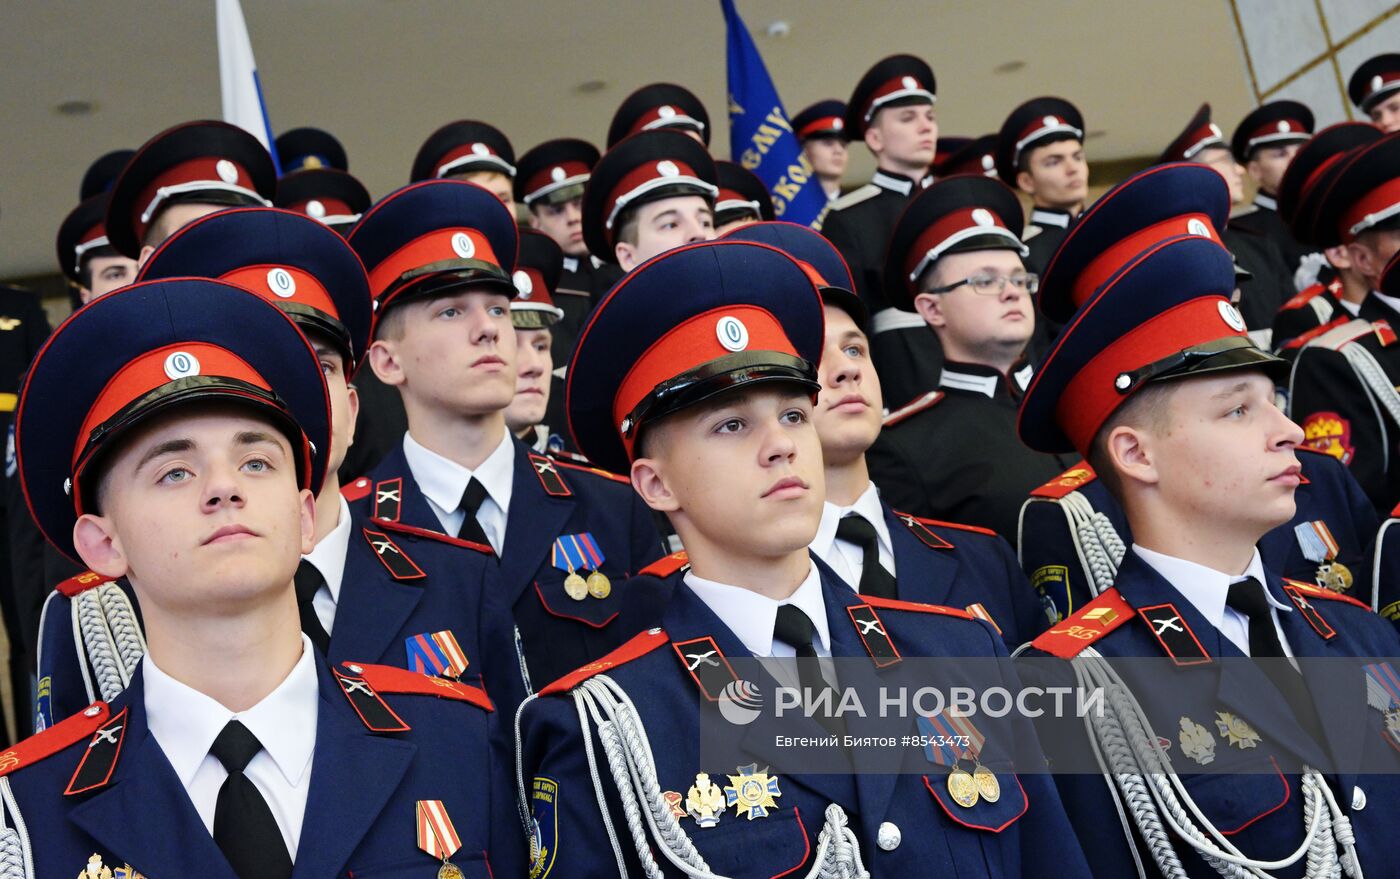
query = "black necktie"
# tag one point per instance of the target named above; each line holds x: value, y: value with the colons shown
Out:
x: 244, y: 828
x: 309, y: 581
x: 472, y: 497
x: 874, y: 579
x: 794, y: 628
x: 1247, y: 596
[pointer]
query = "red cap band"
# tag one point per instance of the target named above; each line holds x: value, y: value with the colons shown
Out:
x: 1120, y: 254
x: 460, y: 158
x: 1379, y: 204
x: 946, y: 231
x: 436, y: 246
x: 645, y: 177
x: 208, y: 173
x: 532, y: 287
x: 554, y: 176
x: 899, y: 87
x: 825, y: 123
x: 321, y: 208
x: 281, y: 284
x: 663, y: 116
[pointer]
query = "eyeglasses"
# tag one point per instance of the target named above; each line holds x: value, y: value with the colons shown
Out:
x: 994, y: 285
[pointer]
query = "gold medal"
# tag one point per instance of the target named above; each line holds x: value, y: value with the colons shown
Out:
x: 575, y: 586
x: 1335, y: 576
x: 598, y: 585
x: 1238, y: 733
x: 962, y: 788
x: 987, y: 785
x: 449, y: 870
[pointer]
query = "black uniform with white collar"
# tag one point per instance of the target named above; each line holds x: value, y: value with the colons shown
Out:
x: 1045, y: 229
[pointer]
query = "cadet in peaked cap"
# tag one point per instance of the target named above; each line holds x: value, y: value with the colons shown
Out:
x: 328, y: 195
x: 103, y: 172
x: 661, y: 105
x: 1265, y: 142
x: 184, y: 173
x: 742, y: 198
x: 186, y: 420
x: 441, y: 257
x: 891, y: 109
x: 821, y: 129
x: 536, y: 412
x: 955, y: 259
x: 1270, y: 282
x: 1374, y: 88
x: 468, y: 150
x: 86, y: 255
x: 304, y: 149
x: 1165, y: 202
x: 1160, y: 350
x: 729, y: 333
x: 664, y: 169
x: 1040, y: 151
x: 976, y: 155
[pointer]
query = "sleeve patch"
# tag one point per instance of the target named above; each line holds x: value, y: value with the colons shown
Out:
x: 1329, y: 433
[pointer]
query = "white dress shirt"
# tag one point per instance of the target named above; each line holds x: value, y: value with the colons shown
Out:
x: 847, y: 559
x: 185, y: 723
x: 328, y: 558
x: 443, y: 481
x: 1206, y: 589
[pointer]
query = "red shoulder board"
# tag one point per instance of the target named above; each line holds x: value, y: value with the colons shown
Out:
x: 366, y: 701
x: 388, y: 679
x: 666, y: 565
x: 640, y: 645
x: 356, y: 490
x: 588, y: 467
x: 1384, y: 334
x: 927, y: 401
x: 1312, y: 590
x: 1395, y: 513
x: 976, y: 529
x: 80, y: 583
x: 567, y: 457
x: 45, y: 744
x: 922, y: 531
x: 1304, y: 297
x: 1092, y: 621
x: 1305, y: 338
x: 428, y: 534
x: 1073, y: 479
x: 915, y: 606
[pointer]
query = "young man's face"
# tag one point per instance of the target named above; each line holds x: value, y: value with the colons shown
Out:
x: 453, y: 353
x: 201, y: 509
x: 1386, y: 114
x: 744, y: 471
x: 1268, y: 163
x: 904, y: 138
x: 1224, y: 452
x: 849, y: 408
x: 108, y: 273
x: 972, y: 322
x: 664, y: 224
x: 499, y: 184
x: 563, y: 222
x: 345, y: 401
x: 1223, y: 161
x: 1056, y: 175
x: 828, y: 156
x: 534, y: 368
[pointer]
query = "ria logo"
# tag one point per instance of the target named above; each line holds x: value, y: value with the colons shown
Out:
x: 740, y: 703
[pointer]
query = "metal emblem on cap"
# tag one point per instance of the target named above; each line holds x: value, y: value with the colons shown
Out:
x: 983, y: 217
x: 1198, y: 227
x: 1049, y: 122
x: 523, y: 284
x: 1284, y: 126
x: 1377, y: 82
x: 314, y: 208
x: 732, y: 333
x: 1231, y: 315
x: 838, y: 124
x: 667, y: 168
x: 481, y: 149
x: 665, y: 111
x: 909, y: 82
x: 68, y: 487
x: 227, y: 171
x: 1123, y: 381
x: 989, y: 162
x: 463, y: 245
x: 181, y: 364
x: 281, y: 283
x: 557, y: 174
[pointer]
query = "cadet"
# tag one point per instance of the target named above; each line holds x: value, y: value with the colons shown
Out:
x: 1040, y: 151
x: 1156, y: 382
x: 182, y: 174
x: 534, y: 316
x: 469, y: 150
x: 878, y: 550
x: 953, y: 453
x: 1073, y: 533
x: 550, y: 183
x: 1264, y: 143
x: 660, y: 106
x: 977, y: 156
x: 821, y: 129
x: 698, y: 373
x: 1375, y: 90
x: 172, y: 432
x: 1270, y: 282
x: 85, y: 254
x: 440, y: 256
x: 742, y: 198
x: 891, y: 109
x: 651, y: 192
x: 332, y: 196
x: 1342, y: 389
x: 369, y: 590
